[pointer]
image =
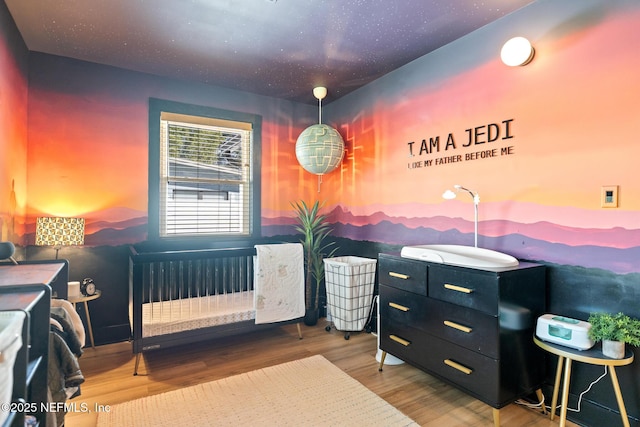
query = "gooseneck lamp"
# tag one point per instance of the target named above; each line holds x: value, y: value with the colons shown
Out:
x: 449, y: 195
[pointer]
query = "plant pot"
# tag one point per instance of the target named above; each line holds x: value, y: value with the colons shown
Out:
x: 613, y: 349
x: 311, y: 317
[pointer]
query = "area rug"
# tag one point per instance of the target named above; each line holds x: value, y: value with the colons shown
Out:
x: 305, y: 392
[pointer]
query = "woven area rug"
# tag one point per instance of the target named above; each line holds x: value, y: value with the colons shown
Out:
x: 306, y: 392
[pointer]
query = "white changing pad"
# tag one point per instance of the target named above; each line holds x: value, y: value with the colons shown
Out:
x: 166, y: 317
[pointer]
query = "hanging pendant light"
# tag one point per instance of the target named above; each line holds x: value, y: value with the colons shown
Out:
x: 319, y: 148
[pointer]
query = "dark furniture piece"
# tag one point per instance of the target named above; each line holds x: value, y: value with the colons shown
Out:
x: 471, y: 328
x: 59, y: 285
x: 27, y: 288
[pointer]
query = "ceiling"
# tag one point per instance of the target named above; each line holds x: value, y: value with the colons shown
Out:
x: 279, y: 48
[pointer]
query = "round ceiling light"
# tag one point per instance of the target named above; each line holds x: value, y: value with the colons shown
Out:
x: 517, y: 51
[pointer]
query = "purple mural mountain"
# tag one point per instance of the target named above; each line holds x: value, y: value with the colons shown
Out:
x: 614, y: 249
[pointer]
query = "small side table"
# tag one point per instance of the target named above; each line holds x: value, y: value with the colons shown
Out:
x: 593, y: 356
x: 85, y: 299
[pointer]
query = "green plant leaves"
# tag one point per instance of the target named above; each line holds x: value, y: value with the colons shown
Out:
x: 615, y: 327
x: 315, y: 230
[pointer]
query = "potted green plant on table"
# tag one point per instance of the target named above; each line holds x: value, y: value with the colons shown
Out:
x: 614, y: 330
x: 315, y: 230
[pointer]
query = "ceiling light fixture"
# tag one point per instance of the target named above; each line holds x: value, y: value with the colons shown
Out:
x: 319, y: 148
x: 517, y: 51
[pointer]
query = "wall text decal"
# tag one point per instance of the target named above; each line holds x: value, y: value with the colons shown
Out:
x: 474, y: 138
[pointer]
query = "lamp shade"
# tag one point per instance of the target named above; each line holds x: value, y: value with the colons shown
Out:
x: 59, y: 231
x: 319, y: 149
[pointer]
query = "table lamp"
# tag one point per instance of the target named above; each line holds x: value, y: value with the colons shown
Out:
x: 59, y: 231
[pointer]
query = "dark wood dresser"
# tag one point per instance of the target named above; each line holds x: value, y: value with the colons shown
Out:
x: 471, y: 328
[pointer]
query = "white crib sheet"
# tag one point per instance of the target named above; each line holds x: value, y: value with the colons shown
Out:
x: 166, y: 317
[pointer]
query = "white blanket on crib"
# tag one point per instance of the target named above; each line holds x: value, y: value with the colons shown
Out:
x: 279, y: 282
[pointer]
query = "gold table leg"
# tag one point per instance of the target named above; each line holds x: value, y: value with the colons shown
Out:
x: 565, y: 392
x: 616, y: 388
x: 556, y: 386
x: 86, y: 311
x: 496, y: 417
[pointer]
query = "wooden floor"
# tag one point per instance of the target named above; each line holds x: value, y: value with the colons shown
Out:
x: 109, y: 375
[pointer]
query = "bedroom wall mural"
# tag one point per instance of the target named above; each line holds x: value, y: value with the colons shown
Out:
x: 13, y: 131
x: 567, y: 121
x: 559, y: 118
x: 568, y: 124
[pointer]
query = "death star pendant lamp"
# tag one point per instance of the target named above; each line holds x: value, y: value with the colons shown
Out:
x: 319, y: 148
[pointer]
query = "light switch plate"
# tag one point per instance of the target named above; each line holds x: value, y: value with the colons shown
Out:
x: 609, y: 196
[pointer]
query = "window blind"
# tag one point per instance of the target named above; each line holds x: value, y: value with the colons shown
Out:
x: 205, y: 176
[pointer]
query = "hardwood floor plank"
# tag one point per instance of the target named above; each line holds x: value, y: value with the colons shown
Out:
x: 108, y: 371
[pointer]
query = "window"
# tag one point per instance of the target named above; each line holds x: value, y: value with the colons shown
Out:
x: 203, y: 170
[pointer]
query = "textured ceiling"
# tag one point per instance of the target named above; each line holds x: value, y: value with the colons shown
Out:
x: 280, y: 48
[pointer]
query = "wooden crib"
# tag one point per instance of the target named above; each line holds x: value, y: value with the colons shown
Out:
x: 186, y: 296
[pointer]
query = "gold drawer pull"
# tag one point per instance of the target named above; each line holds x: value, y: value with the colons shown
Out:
x: 398, y: 306
x: 458, y: 288
x: 458, y: 326
x: 458, y: 366
x: 398, y: 275
x: 400, y: 340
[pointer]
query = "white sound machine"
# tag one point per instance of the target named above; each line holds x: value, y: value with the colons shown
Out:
x: 564, y: 331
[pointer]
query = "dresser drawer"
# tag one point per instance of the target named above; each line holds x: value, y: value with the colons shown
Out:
x: 403, y: 274
x: 475, y: 330
x: 475, y: 289
x: 398, y: 306
x: 478, y: 375
x: 403, y: 341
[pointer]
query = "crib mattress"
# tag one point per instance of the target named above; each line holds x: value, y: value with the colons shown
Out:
x: 167, y: 317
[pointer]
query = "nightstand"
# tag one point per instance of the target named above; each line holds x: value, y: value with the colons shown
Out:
x: 85, y: 299
x: 593, y: 356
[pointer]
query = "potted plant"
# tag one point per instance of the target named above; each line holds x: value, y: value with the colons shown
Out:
x: 314, y: 229
x: 614, y: 330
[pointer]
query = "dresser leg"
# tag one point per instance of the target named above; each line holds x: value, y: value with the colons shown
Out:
x: 382, y: 357
x: 541, y: 400
x: 496, y: 417
x: 135, y: 368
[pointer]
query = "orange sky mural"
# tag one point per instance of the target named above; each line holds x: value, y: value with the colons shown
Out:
x: 573, y: 120
x: 13, y: 123
x: 93, y: 156
x: 571, y: 117
x: 570, y: 112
